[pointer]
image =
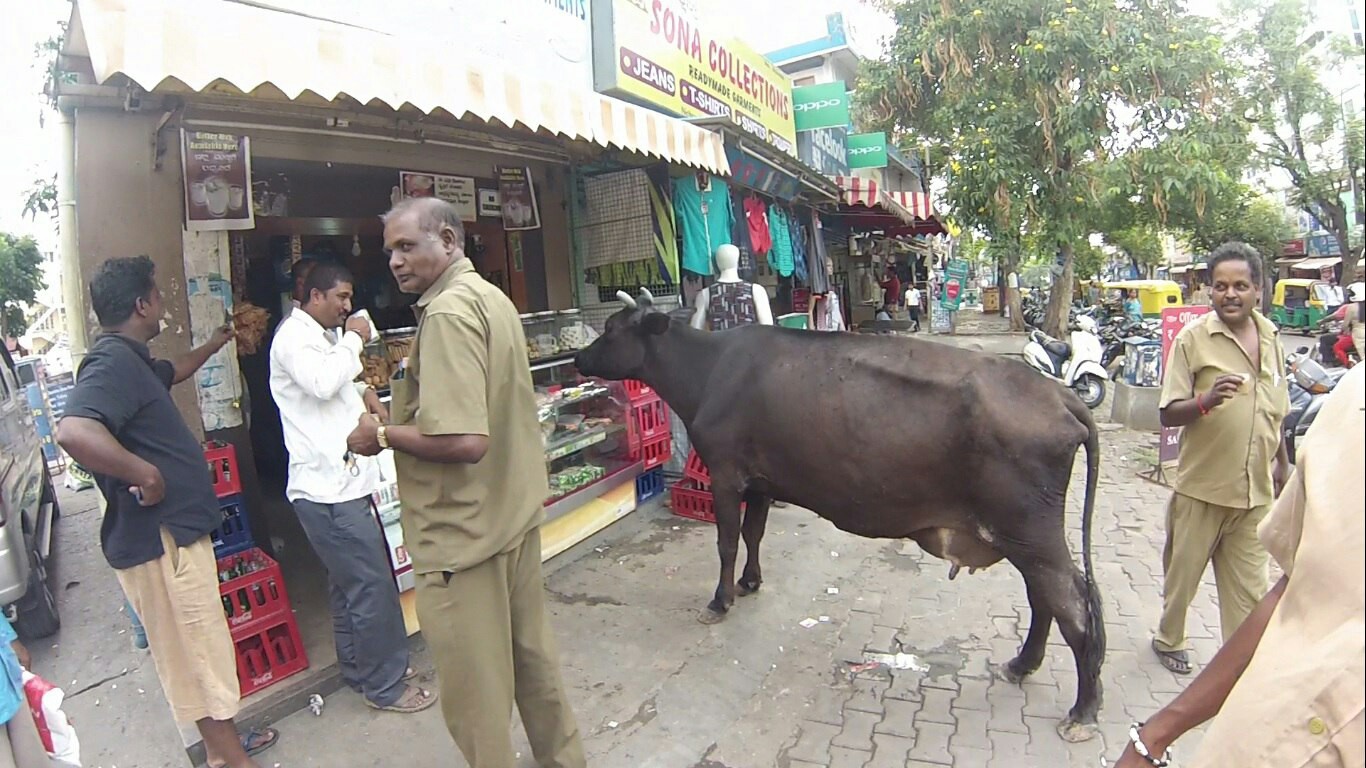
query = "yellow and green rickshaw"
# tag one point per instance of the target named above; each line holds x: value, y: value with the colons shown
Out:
x: 1300, y: 303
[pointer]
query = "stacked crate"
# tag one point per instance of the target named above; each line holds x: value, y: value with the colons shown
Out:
x: 265, y: 635
x: 691, y: 497
x: 648, y: 437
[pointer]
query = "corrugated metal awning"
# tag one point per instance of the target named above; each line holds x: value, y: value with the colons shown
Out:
x: 865, y: 192
x: 1317, y: 264
x: 236, y: 49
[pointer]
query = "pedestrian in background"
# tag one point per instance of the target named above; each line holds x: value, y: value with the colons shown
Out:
x: 121, y: 423
x: 471, y: 471
x: 913, y: 307
x: 312, y: 375
x: 1225, y: 386
x: 1288, y: 687
x: 20, y: 744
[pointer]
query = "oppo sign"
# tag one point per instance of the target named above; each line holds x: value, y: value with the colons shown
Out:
x: 820, y: 106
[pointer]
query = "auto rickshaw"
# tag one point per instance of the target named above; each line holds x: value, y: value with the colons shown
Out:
x: 1300, y: 303
x: 1153, y: 295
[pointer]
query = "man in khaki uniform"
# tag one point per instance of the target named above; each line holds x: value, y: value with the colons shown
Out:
x: 1290, y: 684
x: 471, y: 473
x: 1225, y: 384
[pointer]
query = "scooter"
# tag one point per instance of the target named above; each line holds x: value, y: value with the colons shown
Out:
x: 1076, y: 363
x: 1309, y: 384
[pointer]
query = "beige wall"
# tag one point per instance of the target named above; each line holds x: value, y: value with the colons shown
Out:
x: 127, y: 206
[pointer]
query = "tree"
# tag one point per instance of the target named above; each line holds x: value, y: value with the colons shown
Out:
x: 1244, y: 216
x: 1301, y: 126
x: 41, y: 198
x: 21, y: 277
x: 1032, y: 107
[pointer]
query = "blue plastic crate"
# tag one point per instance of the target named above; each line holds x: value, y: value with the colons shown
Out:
x: 649, y: 485
x: 234, y: 535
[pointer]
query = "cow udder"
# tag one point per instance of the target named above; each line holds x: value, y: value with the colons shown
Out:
x: 958, y: 547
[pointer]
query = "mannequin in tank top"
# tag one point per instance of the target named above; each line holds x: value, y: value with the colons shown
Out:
x: 730, y: 301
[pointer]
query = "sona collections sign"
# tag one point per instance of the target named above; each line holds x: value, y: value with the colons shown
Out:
x: 652, y: 51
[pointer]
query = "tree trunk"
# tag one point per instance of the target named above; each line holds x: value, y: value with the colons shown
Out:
x: 1012, y: 295
x: 1060, y: 296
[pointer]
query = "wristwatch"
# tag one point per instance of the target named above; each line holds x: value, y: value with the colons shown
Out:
x: 382, y: 436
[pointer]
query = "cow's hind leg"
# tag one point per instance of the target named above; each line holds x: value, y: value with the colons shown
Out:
x: 1060, y: 589
x: 1032, y: 652
x: 752, y: 529
x: 726, y: 505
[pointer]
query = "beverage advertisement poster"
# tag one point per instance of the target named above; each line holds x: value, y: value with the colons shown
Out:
x: 1173, y: 320
x: 459, y: 191
x: 216, y: 170
x: 518, y: 196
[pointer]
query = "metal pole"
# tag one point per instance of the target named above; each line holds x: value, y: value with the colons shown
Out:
x: 73, y: 284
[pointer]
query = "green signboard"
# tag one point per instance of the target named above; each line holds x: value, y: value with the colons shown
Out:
x: 820, y: 106
x: 955, y: 284
x: 867, y: 150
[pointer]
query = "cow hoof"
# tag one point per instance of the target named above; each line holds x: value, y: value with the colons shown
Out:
x: 1074, y: 732
x: 708, y: 616
x: 1008, y: 673
x: 747, y: 588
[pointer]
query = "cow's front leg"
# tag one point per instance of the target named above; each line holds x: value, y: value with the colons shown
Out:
x: 752, y: 529
x: 726, y: 504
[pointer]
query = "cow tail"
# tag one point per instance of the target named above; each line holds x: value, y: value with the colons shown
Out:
x: 1094, y: 611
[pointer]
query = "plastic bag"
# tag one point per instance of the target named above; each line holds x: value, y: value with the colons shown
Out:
x: 45, y: 702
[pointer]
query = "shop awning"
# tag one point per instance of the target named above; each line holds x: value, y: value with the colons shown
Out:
x: 1317, y: 264
x: 236, y: 49
x: 1184, y: 268
x: 861, y: 192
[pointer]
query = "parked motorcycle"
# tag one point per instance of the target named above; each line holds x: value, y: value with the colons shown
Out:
x: 1309, y: 385
x: 1074, y: 363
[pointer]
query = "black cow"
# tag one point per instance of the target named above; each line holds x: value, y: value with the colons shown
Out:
x: 968, y: 454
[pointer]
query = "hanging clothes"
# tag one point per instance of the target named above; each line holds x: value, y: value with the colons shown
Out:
x: 730, y: 305
x: 756, y: 213
x: 797, y: 235
x: 628, y: 277
x: 816, y: 256
x: 780, y: 234
x: 740, y: 237
x: 827, y: 314
x: 704, y: 220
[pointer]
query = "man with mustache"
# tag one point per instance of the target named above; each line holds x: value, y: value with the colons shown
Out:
x: 1225, y: 385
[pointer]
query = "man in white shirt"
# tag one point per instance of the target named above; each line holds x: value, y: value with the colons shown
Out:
x: 312, y: 377
x: 913, y: 306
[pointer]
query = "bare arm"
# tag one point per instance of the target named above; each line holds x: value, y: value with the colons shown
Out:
x: 1183, y: 412
x: 93, y: 447
x: 1206, y: 694
x: 191, y: 361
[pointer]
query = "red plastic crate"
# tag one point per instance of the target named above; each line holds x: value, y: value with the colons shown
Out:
x: 688, y: 499
x: 254, y: 597
x: 269, y: 653
x: 637, y: 390
x: 654, y: 451
x: 222, y: 461
x: 648, y: 419
x: 696, y: 470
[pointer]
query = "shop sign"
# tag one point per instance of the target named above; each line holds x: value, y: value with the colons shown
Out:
x: 216, y: 175
x: 755, y: 174
x: 955, y: 283
x: 1324, y: 245
x: 459, y: 191
x: 489, y: 204
x: 1293, y: 247
x: 820, y: 106
x: 518, y: 196
x: 825, y: 150
x: 867, y: 150
x: 652, y: 51
x: 1173, y: 320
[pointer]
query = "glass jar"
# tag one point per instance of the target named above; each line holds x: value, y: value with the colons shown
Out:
x: 542, y: 338
x: 573, y: 333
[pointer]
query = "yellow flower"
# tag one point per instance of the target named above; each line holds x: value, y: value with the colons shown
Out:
x: 1113, y: 68
x: 1174, y: 46
x: 1079, y: 199
x: 1038, y: 46
x: 1069, y: 10
x: 986, y: 142
x: 977, y: 12
x: 991, y: 108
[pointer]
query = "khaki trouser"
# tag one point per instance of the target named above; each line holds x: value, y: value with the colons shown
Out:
x: 20, y: 744
x: 489, y: 635
x: 1198, y: 532
x: 177, y: 598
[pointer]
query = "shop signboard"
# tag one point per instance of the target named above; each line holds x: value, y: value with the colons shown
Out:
x: 1293, y: 247
x: 459, y: 191
x: 655, y: 52
x: 518, y: 197
x: 217, y: 180
x: 1173, y: 320
x: 867, y: 150
x: 820, y: 106
x: 825, y: 150
x: 955, y: 283
x: 1324, y: 245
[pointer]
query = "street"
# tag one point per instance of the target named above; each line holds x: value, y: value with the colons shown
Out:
x: 653, y: 688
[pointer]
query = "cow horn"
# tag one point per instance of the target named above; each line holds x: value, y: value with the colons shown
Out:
x: 627, y: 300
x: 646, y: 297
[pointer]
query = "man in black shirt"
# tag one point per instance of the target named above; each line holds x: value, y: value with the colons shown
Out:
x: 121, y: 423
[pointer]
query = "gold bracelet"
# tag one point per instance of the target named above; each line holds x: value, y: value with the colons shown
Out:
x: 382, y: 436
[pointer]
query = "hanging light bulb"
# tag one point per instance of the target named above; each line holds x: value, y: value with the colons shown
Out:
x: 355, y: 246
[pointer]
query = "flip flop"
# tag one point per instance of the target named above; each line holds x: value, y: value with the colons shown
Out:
x: 1177, y: 662
x: 414, y: 699
x: 409, y: 674
x: 267, y: 736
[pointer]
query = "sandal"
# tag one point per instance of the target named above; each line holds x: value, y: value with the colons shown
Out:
x: 1177, y: 662
x: 254, y: 742
x: 414, y: 699
x: 409, y: 674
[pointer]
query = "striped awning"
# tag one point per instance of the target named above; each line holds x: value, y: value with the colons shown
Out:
x: 868, y: 193
x: 237, y: 49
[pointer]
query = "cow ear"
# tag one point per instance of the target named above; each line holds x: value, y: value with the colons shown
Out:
x: 655, y: 323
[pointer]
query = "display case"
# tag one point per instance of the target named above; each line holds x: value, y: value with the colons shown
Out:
x: 585, y: 435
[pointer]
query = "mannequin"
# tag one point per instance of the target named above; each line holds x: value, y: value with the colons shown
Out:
x: 728, y: 262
